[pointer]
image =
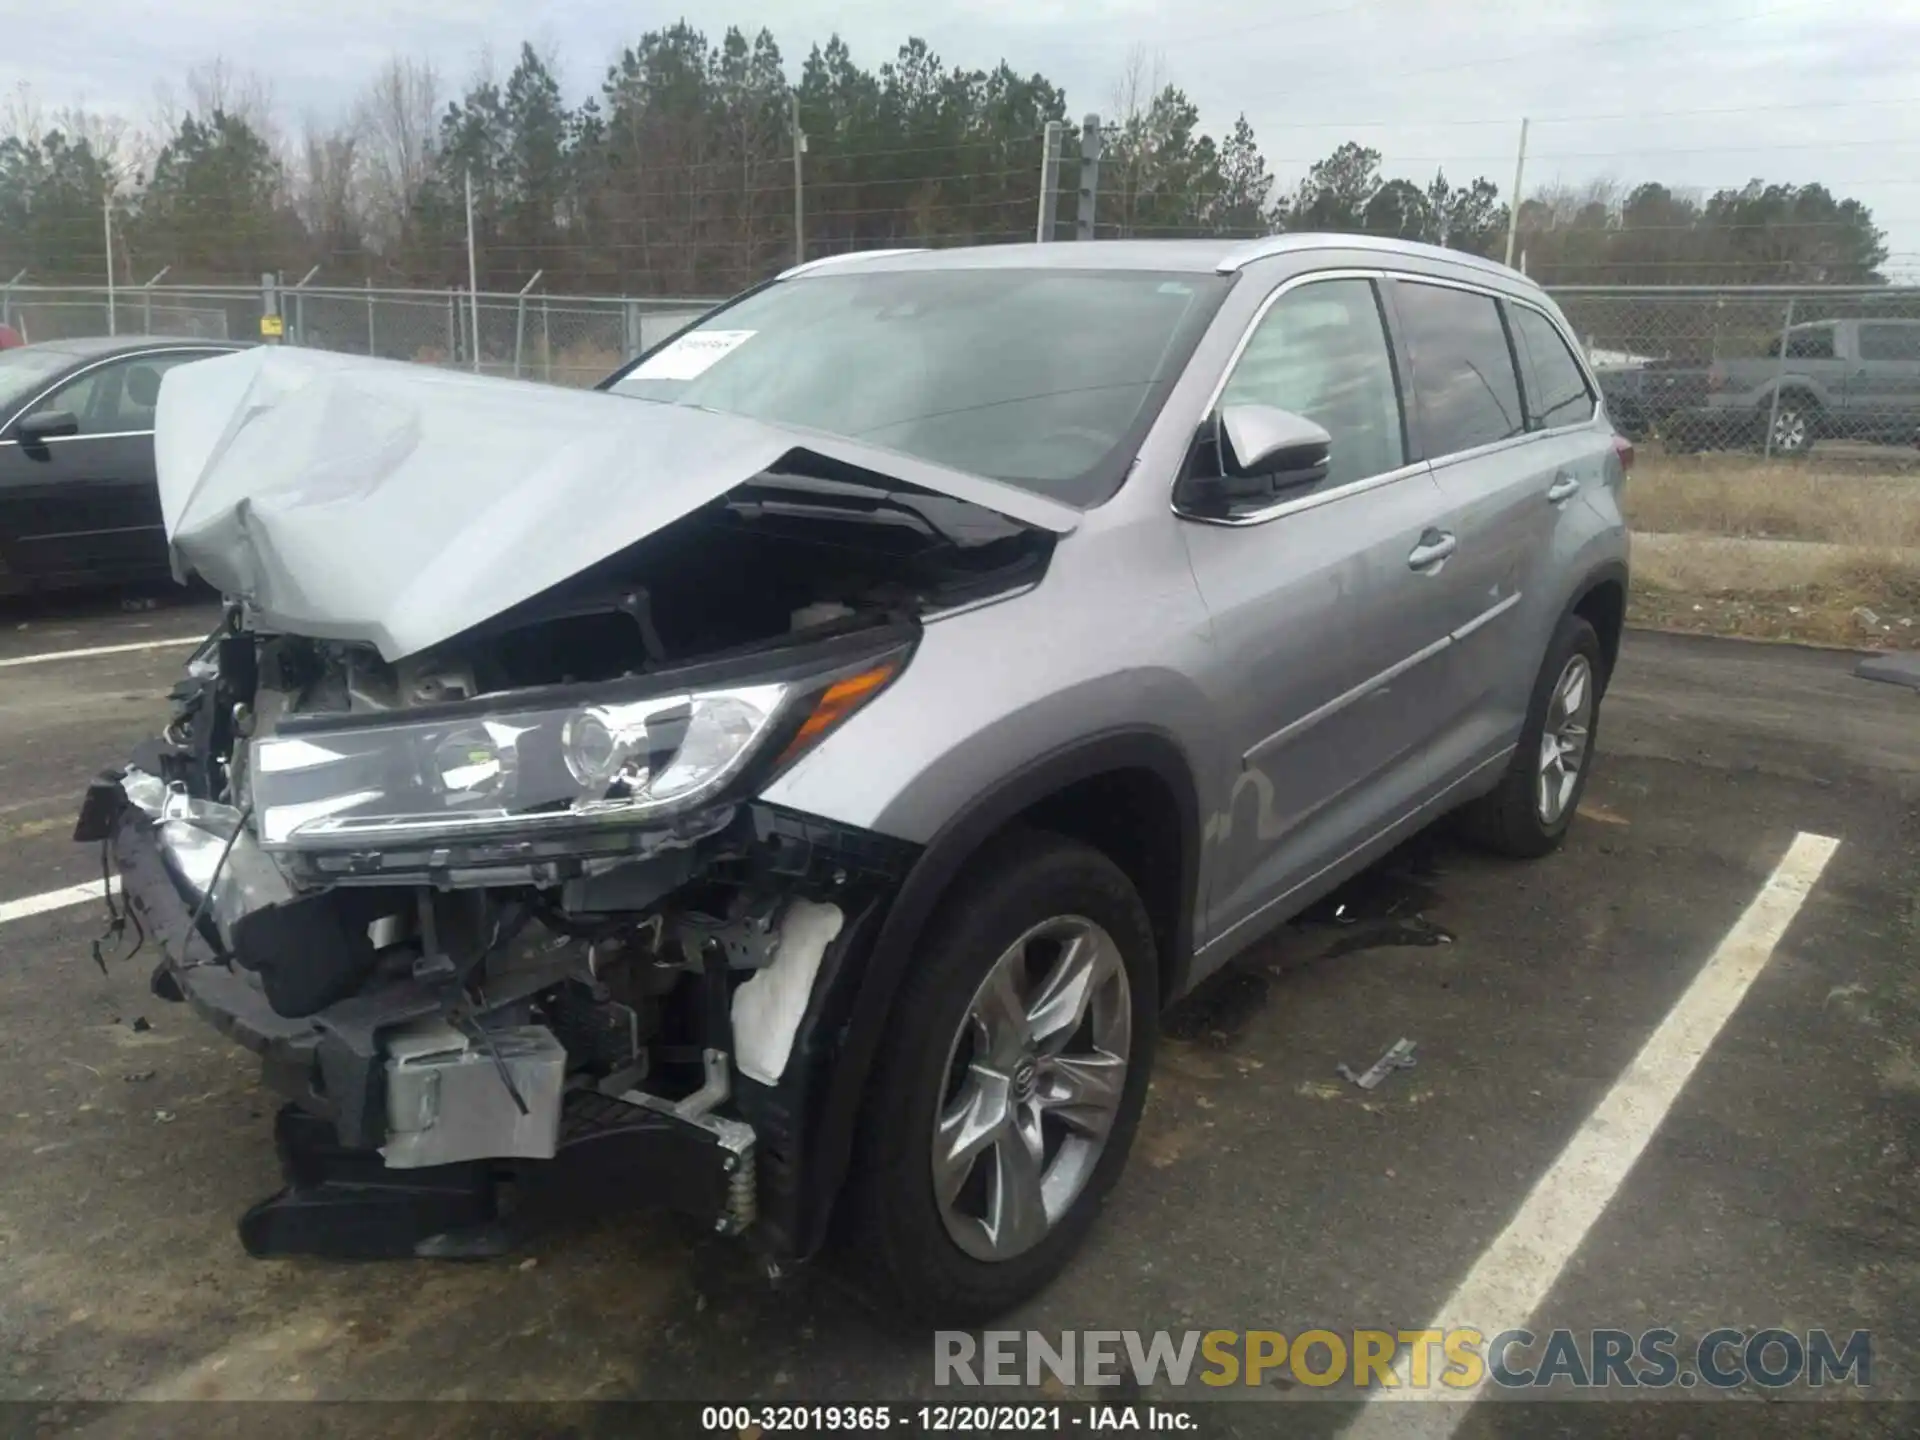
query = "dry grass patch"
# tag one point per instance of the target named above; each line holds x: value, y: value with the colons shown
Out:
x: 1778, y: 589
x: 1825, y: 550
x: 1834, y: 502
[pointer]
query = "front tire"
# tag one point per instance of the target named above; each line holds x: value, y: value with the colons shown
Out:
x: 1004, y: 1101
x: 1531, y: 811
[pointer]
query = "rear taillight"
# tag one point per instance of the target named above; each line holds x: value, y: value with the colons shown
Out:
x: 1623, y: 448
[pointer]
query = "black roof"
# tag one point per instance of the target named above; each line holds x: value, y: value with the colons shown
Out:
x: 92, y: 347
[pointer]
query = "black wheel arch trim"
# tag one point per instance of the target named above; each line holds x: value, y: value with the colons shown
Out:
x: 1607, y: 572
x: 933, y: 873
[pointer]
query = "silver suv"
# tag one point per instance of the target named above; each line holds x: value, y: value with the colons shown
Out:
x: 789, y: 785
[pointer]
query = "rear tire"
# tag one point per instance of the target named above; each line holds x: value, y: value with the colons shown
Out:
x: 1531, y: 811
x: 935, y: 1226
x: 1794, y: 424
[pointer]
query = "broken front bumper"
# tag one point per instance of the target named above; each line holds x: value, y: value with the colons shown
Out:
x: 325, y: 1063
x: 345, y: 1199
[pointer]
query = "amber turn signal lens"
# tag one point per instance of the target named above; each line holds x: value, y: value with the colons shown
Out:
x: 836, y: 703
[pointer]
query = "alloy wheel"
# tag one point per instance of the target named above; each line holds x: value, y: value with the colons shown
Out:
x: 1035, y: 1075
x: 1564, y: 739
x: 1790, y: 431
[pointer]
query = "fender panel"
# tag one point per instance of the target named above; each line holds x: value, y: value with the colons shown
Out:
x: 865, y: 992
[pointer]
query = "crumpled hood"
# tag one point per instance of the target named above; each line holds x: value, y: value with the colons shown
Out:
x: 397, y: 504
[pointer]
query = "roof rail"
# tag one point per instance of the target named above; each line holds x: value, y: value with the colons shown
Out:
x: 825, y: 260
x: 1243, y: 255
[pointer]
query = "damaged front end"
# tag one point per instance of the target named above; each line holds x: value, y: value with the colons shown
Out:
x: 504, y: 918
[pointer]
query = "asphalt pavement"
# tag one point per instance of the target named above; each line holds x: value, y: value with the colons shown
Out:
x: 1264, y: 1192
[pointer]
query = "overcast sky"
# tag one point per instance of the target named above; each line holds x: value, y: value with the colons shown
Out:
x: 1709, y: 93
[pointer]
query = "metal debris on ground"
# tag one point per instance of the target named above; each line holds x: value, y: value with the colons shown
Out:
x: 134, y: 1077
x: 1398, y: 1057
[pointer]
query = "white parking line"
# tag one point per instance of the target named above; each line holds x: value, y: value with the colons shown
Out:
x: 42, y: 659
x: 1516, y: 1272
x: 51, y: 900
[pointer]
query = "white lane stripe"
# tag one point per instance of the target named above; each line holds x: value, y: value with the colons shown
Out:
x: 51, y: 900
x: 1516, y: 1272
x: 100, y: 650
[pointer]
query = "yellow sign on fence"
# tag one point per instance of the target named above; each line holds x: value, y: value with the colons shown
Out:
x: 272, y: 326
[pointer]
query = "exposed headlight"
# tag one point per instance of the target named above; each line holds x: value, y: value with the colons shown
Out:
x: 603, y: 761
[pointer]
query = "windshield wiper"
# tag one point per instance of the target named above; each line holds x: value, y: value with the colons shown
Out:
x: 875, y: 501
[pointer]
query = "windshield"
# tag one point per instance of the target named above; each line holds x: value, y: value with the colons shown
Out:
x: 24, y: 370
x: 1046, y: 379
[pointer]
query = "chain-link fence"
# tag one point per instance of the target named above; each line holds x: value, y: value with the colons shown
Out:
x: 1776, y: 371
x: 1769, y: 369
x: 1777, y: 489
x: 565, y: 340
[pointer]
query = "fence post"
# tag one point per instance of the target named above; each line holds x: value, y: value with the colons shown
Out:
x: 630, y: 342
x: 6, y: 296
x: 1779, y: 369
x: 269, y: 303
x: 546, y: 343
x: 1089, y: 176
x: 106, y: 222
x: 372, y: 349
x: 1049, y: 216
x: 799, y: 179
x: 520, y: 320
x: 453, y: 331
x: 300, y: 306
x: 146, y: 298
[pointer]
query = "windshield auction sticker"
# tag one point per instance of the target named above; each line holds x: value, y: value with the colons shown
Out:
x: 691, y: 355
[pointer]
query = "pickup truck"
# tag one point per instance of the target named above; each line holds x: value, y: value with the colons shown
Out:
x: 1643, y: 396
x: 1840, y: 380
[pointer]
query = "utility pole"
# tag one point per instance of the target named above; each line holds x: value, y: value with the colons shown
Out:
x: 473, y: 276
x: 799, y: 192
x: 1090, y: 141
x: 1519, y: 174
x: 1050, y: 180
x: 106, y: 225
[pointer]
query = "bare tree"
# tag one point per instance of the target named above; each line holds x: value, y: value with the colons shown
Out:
x: 244, y: 94
x: 1130, y: 159
x: 396, y: 120
x: 21, y: 117
x: 1143, y: 75
x: 327, y: 194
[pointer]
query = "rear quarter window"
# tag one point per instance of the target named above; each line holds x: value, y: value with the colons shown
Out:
x: 1890, y: 342
x: 1557, y: 392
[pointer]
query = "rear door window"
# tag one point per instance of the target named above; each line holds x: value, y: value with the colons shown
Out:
x: 1557, y: 392
x: 1812, y: 342
x: 133, y: 400
x: 1464, y: 381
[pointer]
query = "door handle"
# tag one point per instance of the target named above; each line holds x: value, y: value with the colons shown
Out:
x: 1564, y: 487
x: 1434, y: 546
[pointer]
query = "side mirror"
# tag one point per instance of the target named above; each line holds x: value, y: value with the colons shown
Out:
x: 45, y: 425
x: 1264, y: 452
x: 1271, y: 445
